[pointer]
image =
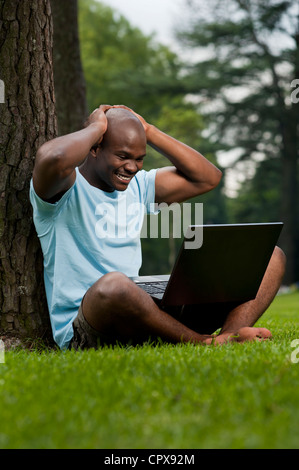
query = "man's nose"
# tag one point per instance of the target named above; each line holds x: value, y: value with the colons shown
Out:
x: 131, y: 166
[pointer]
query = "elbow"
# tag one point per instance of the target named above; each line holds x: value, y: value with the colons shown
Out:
x: 209, y: 183
x: 48, y: 153
x: 216, y: 178
x: 51, y: 160
x: 219, y: 177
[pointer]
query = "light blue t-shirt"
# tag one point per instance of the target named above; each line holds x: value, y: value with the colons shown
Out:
x: 86, y: 234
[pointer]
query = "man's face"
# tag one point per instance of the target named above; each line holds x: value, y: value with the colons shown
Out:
x: 120, y: 156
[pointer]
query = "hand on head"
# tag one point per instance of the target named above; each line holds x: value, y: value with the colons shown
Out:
x: 99, y: 114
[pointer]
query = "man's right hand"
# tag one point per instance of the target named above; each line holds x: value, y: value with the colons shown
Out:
x: 98, y: 117
x: 56, y: 160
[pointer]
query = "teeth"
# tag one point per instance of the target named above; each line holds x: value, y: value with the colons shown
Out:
x: 122, y: 177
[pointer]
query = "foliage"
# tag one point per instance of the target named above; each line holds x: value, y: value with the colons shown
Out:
x: 258, y: 199
x: 122, y: 65
x: 243, y: 88
x: 245, y: 70
x: 157, y: 396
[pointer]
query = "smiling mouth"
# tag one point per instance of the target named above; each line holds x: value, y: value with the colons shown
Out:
x: 123, y: 177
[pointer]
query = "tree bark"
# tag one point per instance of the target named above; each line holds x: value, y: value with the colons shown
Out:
x: 27, y: 119
x: 70, y: 88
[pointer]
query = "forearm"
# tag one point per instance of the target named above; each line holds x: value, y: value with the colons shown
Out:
x: 70, y: 151
x: 54, y: 169
x: 194, y: 166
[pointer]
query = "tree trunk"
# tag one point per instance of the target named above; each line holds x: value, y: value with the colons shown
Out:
x: 27, y: 119
x: 70, y: 89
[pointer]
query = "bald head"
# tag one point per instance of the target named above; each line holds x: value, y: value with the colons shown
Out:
x: 121, y: 114
x: 123, y: 125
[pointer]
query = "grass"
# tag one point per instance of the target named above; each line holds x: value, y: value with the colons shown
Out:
x: 237, y: 396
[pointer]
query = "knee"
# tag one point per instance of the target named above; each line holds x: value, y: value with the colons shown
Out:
x: 280, y: 255
x: 279, y: 258
x: 112, y: 286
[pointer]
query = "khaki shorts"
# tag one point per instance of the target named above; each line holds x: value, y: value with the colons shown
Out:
x: 85, y: 336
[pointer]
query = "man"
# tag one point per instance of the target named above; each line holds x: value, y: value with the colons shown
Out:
x: 89, y: 293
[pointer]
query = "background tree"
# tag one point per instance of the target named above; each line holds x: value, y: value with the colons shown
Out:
x: 122, y: 65
x: 244, y: 89
x: 70, y: 87
x: 27, y: 119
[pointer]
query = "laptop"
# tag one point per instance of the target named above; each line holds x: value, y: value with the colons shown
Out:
x: 228, y: 266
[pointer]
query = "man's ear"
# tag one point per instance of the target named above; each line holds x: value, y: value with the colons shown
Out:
x: 94, y: 150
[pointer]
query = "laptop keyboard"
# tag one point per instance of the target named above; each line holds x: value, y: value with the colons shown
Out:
x: 157, y: 287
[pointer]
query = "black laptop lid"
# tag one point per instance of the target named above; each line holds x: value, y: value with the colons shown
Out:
x: 228, y: 267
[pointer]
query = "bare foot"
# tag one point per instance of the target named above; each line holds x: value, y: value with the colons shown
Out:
x: 245, y: 333
x: 248, y: 333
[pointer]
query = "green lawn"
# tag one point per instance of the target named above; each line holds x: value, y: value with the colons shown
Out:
x: 176, y: 397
